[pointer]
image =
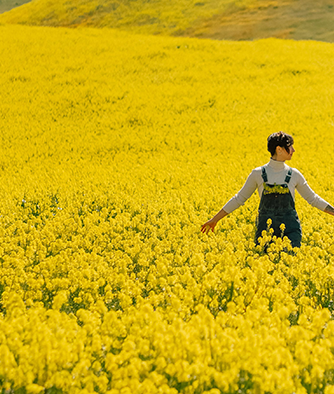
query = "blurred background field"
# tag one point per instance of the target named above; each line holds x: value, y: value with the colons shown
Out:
x: 115, y: 148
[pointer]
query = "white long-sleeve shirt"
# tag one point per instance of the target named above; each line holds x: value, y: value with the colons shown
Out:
x: 276, y: 173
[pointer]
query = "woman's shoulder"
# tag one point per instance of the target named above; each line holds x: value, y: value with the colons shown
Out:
x: 295, y: 171
x: 256, y: 174
x: 297, y: 175
x: 258, y: 170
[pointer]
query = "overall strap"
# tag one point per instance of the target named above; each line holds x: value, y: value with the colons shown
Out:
x: 288, y: 175
x: 264, y: 175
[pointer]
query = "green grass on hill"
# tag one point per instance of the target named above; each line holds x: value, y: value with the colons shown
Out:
x: 218, y: 19
x: 154, y: 17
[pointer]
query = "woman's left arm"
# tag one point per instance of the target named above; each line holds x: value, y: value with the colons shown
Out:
x: 309, y: 195
x: 329, y: 209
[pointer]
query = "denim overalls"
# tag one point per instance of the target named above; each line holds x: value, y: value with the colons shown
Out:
x: 278, y: 205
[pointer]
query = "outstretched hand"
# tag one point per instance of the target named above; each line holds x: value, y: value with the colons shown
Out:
x: 210, y: 224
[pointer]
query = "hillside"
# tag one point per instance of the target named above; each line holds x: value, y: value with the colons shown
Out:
x: 217, y: 19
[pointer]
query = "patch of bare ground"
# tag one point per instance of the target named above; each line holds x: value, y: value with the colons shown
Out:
x: 6, y: 5
x: 298, y: 19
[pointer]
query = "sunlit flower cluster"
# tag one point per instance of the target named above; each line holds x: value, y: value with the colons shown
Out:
x: 272, y: 189
x: 115, y: 148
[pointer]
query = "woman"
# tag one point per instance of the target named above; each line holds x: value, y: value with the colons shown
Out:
x: 276, y: 183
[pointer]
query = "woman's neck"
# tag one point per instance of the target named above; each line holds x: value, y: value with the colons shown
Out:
x: 276, y: 159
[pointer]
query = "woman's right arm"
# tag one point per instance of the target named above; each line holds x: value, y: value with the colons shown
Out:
x: 211, y: 224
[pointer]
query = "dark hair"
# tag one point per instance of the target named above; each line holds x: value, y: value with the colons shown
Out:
x: 279, y: 139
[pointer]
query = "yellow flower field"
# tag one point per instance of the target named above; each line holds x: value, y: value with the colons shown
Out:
x: 115, y: 148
